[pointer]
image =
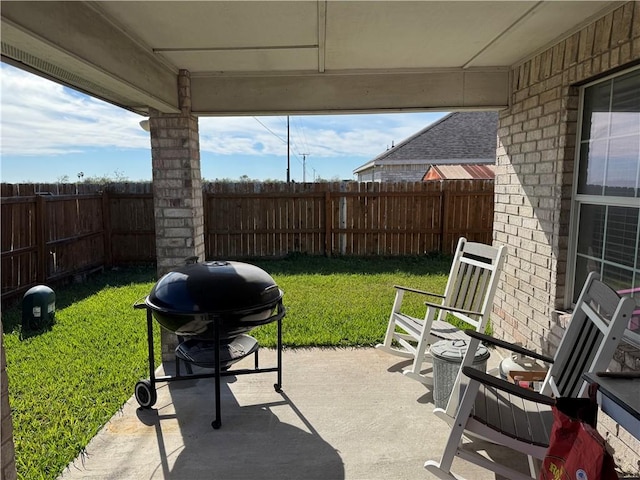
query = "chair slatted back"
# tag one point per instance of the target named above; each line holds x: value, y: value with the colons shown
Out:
x: 473, y: 280
x: 594, y: 332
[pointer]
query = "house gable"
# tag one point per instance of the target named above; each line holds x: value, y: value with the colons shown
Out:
x: 458, y: 138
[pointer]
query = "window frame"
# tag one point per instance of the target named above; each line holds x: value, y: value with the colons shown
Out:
x: 577, y: 200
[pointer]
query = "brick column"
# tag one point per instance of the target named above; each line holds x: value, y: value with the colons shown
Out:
x: 8, y: 467
x: 177, y: 190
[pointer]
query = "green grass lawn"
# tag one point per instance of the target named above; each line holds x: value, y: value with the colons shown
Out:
x: 66, y: 382
x: 345, y: 302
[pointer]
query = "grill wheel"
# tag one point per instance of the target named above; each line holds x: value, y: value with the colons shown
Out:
x: 145, y: 394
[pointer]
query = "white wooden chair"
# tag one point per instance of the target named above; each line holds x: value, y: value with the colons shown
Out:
x: 469, y: 293
x: 489, y: 408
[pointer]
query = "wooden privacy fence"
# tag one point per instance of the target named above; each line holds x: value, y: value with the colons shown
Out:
x: 47, y: 237
x: 345, y: 218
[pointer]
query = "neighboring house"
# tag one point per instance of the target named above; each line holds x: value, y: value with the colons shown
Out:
x: 457, y: 138
x: 460, y: 172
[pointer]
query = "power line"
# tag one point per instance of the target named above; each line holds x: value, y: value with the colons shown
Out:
x: 301, y: 133
x: 270, y: 131
x: 296, y: 145
x: 277, y: 136
x: 288, y: 144
x: 301, y: 137
x: 292, y: 143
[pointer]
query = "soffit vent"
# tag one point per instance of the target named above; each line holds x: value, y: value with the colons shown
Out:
x: 54, y: 72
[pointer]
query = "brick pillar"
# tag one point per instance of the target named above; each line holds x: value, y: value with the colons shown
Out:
x: 177, y: 190
x: 8, y: 467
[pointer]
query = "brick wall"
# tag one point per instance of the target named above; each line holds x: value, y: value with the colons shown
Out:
x: 404, y: 173
x: 394, y: 173
x: 533, y: 184
x: 535, y: 163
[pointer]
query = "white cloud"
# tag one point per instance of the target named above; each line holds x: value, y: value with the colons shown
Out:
x: 41, y: 118
x: 323, y: 136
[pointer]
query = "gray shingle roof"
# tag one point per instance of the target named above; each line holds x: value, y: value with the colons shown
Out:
x: 459, y: 135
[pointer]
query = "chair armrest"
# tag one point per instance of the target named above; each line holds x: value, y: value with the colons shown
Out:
x: 509, y: 346
x: 415, y: 290
x: 508, y: 387
x: 452, y: 309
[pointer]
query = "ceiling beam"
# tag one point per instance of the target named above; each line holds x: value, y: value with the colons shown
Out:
x: 442, y: 90
x: 76, y: 46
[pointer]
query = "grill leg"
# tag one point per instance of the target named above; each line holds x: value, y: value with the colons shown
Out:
x: 278, y: 386
x: 218, y: 421
x: 152, y: 367
x: 186, y: 364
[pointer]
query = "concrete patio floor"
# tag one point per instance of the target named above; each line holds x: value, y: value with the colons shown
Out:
x: 342, y: 414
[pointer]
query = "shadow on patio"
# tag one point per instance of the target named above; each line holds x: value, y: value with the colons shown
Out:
x: 343, y: 414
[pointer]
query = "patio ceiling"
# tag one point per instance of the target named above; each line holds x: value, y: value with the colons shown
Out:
x: 274, y: 57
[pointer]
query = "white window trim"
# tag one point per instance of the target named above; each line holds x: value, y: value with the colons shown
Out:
x: 577, y: 199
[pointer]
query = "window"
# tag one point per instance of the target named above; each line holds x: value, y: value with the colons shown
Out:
x: 607, y: 189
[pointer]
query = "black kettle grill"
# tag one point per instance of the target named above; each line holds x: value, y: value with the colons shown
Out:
x: 211, y: 306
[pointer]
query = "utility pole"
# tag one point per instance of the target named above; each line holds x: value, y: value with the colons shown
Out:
x: 304, y: 167
x: 288, y: 154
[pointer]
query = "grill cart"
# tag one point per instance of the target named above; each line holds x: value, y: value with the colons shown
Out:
x: 211, y: 307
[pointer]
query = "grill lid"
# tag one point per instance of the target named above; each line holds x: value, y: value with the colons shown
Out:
x: 219, y: 287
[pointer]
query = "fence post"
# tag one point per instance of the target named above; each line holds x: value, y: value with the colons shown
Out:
x: 41, y: 252
x: 343, y: 211
x: 444, y: 200
x: 106, y: 227
x: 327, y: 224
x: 205, y: 222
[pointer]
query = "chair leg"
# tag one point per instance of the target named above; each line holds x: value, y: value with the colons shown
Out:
x: 434, y: 469
x: 442, y: 469
x: 391, y: 334
x: 534, y: 466
x: 421, y: 351
x: 391, y: 327
x: 418, y: 360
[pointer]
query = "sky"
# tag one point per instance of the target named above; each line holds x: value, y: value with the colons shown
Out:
x: 50, y: 133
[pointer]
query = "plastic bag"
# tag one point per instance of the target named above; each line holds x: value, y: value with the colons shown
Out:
x: 576, y: 450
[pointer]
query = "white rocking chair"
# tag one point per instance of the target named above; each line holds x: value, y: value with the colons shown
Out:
x: 468, y: 296
x: 489, y: 408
